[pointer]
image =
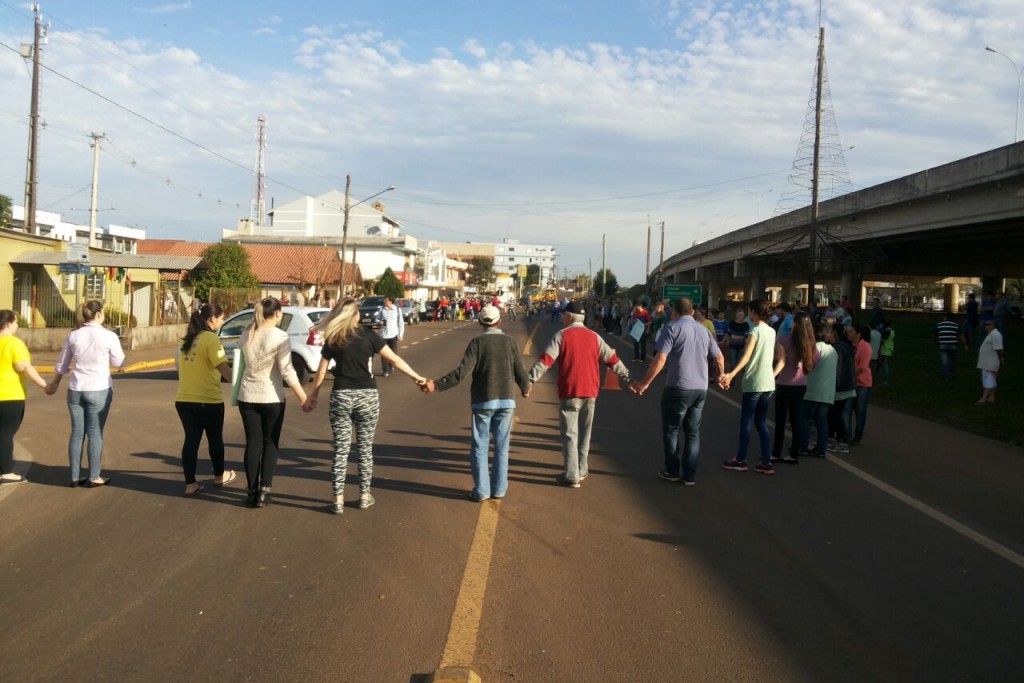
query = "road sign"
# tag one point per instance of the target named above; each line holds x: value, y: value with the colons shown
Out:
x: 78, y: 253
x: 74, y: 268
x: 691, y: 292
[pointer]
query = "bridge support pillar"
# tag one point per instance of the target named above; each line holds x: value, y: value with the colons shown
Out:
x: 756, y: 288
x: 853, y: 288
x: 789, y: 293
x: 951, y: 295
x: 711, y: 294
x: 991, y: 284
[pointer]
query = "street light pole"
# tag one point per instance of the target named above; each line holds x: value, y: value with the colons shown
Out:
x: 344, y: 229
x: 1020, y: 77
x: 759, y: 198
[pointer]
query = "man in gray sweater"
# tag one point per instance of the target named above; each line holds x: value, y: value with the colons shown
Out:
x: 493, y: 361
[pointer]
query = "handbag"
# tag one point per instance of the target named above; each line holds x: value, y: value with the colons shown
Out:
x: 237, y: 370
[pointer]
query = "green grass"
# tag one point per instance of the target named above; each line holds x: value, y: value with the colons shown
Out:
x: 916, y: 386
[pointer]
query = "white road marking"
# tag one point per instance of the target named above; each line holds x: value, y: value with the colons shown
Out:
x: 941, y: 518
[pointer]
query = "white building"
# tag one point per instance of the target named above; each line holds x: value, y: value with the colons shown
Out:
x: 118, y: 239
x: 509, y: 255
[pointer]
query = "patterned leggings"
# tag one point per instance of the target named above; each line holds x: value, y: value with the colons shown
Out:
x: 359, y: 407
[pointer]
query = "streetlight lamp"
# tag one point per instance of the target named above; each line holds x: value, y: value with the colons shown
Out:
x: 759, y: 198
x: 1020, y: 77
x: 344, y: 230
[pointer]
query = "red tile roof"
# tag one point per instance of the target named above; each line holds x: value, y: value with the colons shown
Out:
x: 271, y: 263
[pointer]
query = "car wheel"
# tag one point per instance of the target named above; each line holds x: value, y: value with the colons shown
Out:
x: 300, y: 368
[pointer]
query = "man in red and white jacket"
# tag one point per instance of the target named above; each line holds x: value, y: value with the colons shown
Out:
x: 580, y: 353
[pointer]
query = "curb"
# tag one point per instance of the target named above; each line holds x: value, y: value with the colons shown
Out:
x: 454, y: 674
x: 134, y: 367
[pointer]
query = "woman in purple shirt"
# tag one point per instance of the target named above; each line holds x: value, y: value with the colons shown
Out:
x: 94, y: 349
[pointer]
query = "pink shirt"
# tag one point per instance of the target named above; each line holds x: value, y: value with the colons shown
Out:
x: 94, y: 349
x: 862, y: 363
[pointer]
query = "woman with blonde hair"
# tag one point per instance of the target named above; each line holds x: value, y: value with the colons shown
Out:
x: 354, y: 397
x: 15, y: 367
x: 267, y: 356
x: 93, y: 349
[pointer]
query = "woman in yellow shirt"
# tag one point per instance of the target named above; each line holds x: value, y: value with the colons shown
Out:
x: 199, y: 401
x: 15, y: 366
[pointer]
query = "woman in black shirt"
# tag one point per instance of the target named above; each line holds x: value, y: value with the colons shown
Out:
x: 354, y: 397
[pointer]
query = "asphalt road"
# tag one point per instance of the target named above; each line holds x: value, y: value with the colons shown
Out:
x: 909, y: 565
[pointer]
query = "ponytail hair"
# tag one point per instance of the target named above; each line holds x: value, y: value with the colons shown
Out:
x: 199, y: 322
x: 261, y: 311
x: 803, y: 340
x: 88, y: 311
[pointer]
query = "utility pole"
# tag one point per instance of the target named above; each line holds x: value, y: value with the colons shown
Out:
x: 661, y: 260
x: 812, y: 237
x: 604, y: 265
x: 590, y: 273
x: 647, y: 263
x: 31, y: 185
x: 95, y: 185
x: 344, y: 240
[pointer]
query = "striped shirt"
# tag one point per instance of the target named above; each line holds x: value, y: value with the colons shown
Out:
x: 947, y: 333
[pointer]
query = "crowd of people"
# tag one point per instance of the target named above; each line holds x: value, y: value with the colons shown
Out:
x: 817, y: 367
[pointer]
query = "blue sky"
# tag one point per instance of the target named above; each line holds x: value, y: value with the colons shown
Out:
x: 556, y: 122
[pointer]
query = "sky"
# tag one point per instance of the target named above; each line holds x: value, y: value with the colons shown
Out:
x: 564, y: 122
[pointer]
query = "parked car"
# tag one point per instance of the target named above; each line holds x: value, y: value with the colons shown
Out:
x: 431, y: 306
x: 297, y: 321
x: 410, y: 310
x: 368, y: 308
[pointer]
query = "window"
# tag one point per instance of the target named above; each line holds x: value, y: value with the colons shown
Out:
x: 94, y: 286
x: 511, y: 249
x: 67, y: 282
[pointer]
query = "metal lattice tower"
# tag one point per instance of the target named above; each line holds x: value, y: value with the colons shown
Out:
x: 833, y: 178
x: 258, y: 208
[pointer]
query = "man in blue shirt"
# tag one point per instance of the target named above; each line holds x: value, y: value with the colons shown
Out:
x: 686, y: 347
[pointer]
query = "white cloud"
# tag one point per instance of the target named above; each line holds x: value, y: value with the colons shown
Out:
x: 532, y: 140
x: 169, y: 8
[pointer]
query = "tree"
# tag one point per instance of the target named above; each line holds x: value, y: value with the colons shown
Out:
x: 5, y: 210
x: 605, y: 282
x: 532, y: 274
x: 481, y: 272
x: 229, y: 269
x: 389, y: 285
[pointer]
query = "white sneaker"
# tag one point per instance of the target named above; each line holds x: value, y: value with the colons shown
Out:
x: 365, y: 500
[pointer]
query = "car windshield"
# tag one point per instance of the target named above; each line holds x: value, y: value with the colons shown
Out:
x: 372, y: 301
x: 316, y: 315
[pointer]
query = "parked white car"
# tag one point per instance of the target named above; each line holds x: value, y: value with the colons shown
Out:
x: 297, y: 321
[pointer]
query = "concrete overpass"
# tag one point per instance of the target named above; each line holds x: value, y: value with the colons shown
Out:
x: 959, y: 221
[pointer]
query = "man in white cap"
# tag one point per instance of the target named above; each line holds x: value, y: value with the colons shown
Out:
x: 580, y: 353
x: 495, y: 364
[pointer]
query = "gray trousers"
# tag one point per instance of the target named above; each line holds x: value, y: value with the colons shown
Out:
x: 575, y: 419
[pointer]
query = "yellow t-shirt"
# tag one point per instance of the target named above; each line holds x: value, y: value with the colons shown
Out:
x: 198, y: 376
x: 12, y: 384
x: 710, y: 325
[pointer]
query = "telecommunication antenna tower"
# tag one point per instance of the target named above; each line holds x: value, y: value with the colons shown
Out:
x: 258, y: 209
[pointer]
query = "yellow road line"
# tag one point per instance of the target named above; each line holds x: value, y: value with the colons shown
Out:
x: 529, y: 341
x: 460, y: 646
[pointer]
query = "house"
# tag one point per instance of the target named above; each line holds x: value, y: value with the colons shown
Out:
x: 299, y: 273
x: 43, y: 286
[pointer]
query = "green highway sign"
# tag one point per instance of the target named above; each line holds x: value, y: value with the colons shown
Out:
x: 673, y: 292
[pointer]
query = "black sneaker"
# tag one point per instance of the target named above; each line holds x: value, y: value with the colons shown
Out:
x: 761, y: 468
x: 667, y: 476
x: 735, y: 465
x: 689, y: 482
x: 789, y: 459
x: 562, y: 481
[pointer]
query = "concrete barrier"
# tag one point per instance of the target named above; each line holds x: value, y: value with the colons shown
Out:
x: 52, y: 338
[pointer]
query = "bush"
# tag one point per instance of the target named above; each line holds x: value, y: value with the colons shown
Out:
x: 115, y: 317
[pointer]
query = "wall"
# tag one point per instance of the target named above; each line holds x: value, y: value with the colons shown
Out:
x: 52, y: 339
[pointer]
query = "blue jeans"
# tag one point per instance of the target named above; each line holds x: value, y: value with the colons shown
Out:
x: 839, y: 418
x: 89, y: 410
x: 947, y: 360
x: 488, y: 423
x: 816, y: 414
x: 861, y: 409
x: 681, y: 408
x: 755, y: 410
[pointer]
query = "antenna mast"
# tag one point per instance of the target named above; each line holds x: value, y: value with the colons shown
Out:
x: 258, y: 209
